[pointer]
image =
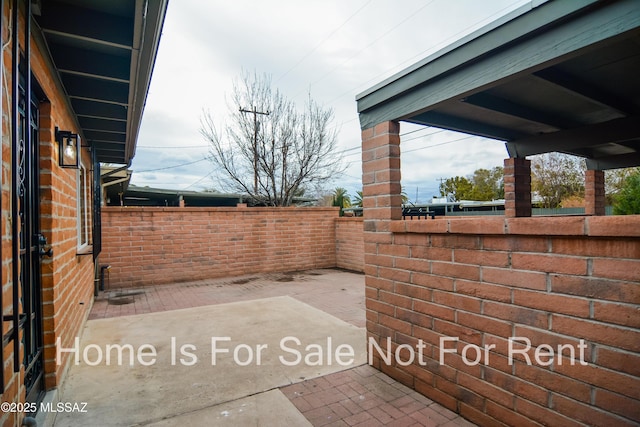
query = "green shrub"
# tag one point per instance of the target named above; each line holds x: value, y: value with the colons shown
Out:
x: 627, y: 201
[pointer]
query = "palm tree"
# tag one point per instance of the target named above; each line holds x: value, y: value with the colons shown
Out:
x: 357, y: 200
x: 341, y: 199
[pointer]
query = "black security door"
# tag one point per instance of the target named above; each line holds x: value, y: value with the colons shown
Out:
x: 31, y: 247
x: 23, y: 314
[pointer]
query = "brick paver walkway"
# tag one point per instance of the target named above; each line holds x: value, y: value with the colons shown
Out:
x: 342, y: 296
x: 364, y: 396
x: 361, y: 396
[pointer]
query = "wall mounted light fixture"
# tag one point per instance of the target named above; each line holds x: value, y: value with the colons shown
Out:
x: 69, y: 147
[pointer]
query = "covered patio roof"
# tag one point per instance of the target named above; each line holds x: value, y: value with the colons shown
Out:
x: 556, y: 75
x: 104, y: 52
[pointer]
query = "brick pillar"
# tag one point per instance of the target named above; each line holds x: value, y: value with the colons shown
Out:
x: 594, y: 192
x: 517, y: 187
x: 382, y: 202
x: 381, y: 173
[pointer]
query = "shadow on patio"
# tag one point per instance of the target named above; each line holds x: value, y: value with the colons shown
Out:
x: 270, y: 349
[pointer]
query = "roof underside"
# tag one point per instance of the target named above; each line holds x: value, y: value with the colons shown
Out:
x: 104, y: 52
x: 145, y: 196
x: 562, y: 76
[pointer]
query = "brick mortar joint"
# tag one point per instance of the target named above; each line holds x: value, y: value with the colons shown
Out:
x: 543, y: 226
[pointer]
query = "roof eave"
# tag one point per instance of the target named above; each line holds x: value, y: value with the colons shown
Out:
x: 519, y: 23
x: 149, y: 19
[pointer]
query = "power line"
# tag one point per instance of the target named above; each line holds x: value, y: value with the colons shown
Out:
x: 172, y: 167
x: 172, y: 147
x: 322, y: 42
x: 434, y: 48
x: 422, y: 136
x: 191, y: 185
x: 416, y: 130
x: 358, y: 147
x: 411, y: 15
x: 437, y: 145
x: 351, y: 91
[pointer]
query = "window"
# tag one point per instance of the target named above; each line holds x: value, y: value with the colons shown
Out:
x: 84, y: 198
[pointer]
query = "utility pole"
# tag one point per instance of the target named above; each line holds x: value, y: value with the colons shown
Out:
x: 440, y: 187
x: 255, y: 113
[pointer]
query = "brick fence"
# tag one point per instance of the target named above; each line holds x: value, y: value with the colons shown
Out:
x: 457, y: 286
x: 485, y: 281
x: 150, y: 246
x: 349, y: 244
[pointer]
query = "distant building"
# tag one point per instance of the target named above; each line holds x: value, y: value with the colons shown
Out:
x: 147, y: 196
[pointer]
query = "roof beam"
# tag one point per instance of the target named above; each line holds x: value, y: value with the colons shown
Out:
x: 574, y: 85
x: 107, y: 145
x: 614, y: 162
x: 93, y: 135
x: 501, y: 105
x: 95, y: 89
x: 490, y: 60
x: 86, y: 107
x: 446, y: 121
x: 113, y: 66
x: 90, y: 25
x: 90, y: 123
x: 616, y: 130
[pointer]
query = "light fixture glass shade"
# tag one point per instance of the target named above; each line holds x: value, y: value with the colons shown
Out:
x: 68, y: 143
x: 69, y: 152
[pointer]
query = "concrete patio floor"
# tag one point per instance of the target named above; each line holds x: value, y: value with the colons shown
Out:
x: 174, y: 380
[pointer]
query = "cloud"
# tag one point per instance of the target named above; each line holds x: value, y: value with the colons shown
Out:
x: 331, y: 49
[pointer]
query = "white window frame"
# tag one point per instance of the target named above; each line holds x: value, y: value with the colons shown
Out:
x: 83, y: 195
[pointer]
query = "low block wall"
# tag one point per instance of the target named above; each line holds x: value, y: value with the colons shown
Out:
x: 349, y: 244
x: 150, y: 246
x: 465, y: 288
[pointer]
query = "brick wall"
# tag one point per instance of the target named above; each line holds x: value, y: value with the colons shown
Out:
x: 149, y: 246
x: 67, y: 278
x: 349, y: 244
x: 553, y: 281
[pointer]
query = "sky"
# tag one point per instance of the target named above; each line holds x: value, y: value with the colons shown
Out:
x: 331, y: 50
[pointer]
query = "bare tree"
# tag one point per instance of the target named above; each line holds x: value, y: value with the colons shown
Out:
x: 268, y: 149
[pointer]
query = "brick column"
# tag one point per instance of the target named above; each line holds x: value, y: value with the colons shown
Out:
x: 382, y: 202
x: 381, y: 173
x: 517, y: 187
x: 594, y: 196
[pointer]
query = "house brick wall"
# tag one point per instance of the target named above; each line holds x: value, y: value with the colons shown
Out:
x: 67, y: 278
x: 553, y: 281
x: 349, y: 244
x: 150, y: 246
x: 13, y: 389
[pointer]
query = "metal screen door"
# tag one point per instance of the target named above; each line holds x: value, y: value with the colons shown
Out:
x: 30, y: 241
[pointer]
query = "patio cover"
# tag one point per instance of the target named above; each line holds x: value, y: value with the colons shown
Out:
x: 104, y: 52
x: 558, y: 75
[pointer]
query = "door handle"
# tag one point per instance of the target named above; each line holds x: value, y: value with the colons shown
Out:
x: 42, y: 243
